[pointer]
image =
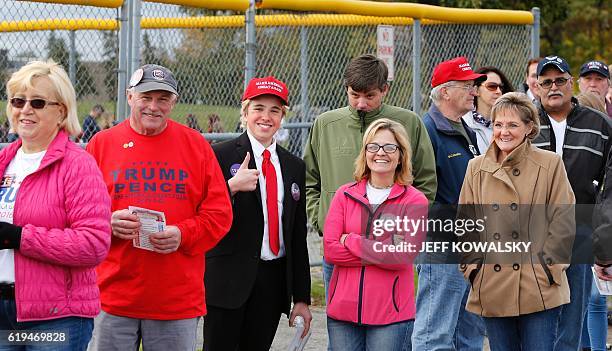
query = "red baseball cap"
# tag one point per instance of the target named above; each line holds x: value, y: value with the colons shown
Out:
x: 266, y: 85
x: 455, y: 69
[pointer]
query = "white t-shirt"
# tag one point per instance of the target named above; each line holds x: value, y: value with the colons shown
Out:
x: 376, y: 196
x: 20, y: 167
x: 559, y: 130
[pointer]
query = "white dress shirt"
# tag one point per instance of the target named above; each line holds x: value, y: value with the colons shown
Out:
x: 258, y: 149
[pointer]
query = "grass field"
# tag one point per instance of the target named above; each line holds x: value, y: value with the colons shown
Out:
x: 229, y: 115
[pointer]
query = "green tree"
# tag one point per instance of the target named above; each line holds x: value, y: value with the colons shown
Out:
x: 578, y: 30
x: 209, y: 63
x: 57, y: 50
x: 151, y: 53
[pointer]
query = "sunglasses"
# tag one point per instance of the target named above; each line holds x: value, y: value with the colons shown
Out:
x: 494, y: 86
x: 559, y: 82
x: 36, y: 104
x: 387, y: 148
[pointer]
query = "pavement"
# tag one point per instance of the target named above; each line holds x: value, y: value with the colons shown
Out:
x: 284, y: 334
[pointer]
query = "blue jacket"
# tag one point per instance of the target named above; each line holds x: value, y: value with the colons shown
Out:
x: 90, y: 128
x: 452, y: 154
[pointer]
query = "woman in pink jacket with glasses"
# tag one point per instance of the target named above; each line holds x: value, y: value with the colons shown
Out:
x: 54, y: 217
x: 371, y: 296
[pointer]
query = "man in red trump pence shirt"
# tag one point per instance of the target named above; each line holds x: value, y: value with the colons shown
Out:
x: 157, y: 296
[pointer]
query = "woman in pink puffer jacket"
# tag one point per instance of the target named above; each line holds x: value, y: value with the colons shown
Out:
x: 54, y: 214
x: 371, y: 293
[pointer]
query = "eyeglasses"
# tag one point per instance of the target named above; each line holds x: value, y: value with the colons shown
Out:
x: 36, y: 104
x: 559, y: 82
x: 494, y: 86
x: 387, y: 148
x: 469, y: 88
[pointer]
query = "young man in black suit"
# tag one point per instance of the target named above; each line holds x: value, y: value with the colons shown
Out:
x: 261, y: 266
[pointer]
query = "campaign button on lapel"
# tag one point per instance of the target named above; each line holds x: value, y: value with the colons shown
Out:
x: 234, y: 169
x: 295, y: 192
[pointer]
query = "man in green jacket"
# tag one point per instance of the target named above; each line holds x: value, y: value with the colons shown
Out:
x: 335, y: 141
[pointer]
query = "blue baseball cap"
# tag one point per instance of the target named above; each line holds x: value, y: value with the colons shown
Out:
x: 556, y: 61
x: 595, y: 66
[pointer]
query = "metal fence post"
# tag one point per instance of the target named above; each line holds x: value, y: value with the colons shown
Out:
x: 535, y: 32
x: 304, y: 77
x: 251, y: 44
x: 122, y: 69
x: 416, y: 66
x: 135, y: 42
x: 304, y: 74
x: 72, y: 57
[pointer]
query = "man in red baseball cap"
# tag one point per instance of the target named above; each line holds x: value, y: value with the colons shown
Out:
x: 261, y: 266
x: 441, y: 317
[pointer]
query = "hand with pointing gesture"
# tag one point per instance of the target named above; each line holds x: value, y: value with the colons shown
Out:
x: 245, y: 178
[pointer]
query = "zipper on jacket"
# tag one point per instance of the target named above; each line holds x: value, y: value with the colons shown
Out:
x: 367, y: 235
x: 360, y: 303
x: 362, y: 115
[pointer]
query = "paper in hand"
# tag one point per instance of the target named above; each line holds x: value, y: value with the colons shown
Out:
x: 150, y: 222
x: 604, y: 286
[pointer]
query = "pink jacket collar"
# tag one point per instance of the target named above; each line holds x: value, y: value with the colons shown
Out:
x: 358, y: 191
x: 55, y: 151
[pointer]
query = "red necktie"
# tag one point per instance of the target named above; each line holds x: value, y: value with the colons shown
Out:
x: 271, y: 201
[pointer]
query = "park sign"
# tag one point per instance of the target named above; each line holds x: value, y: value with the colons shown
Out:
x: 385, y: 45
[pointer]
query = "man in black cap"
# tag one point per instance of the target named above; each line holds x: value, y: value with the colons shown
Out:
x: 151, y: 286
x: 595, y: 78
x: 581, y: 136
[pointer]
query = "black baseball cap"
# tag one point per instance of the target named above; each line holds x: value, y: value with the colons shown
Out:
x: 153, y: 77
x: 595, y: 66
x: 556, y: 61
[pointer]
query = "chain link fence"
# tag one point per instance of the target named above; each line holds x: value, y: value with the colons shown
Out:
x: 503, y: 46
x: 87, y: 55
x: 309, y: 54
x: 207, y: 59
x: 206, y: 50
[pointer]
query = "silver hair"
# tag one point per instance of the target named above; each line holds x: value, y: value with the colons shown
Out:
x: 436, y: 93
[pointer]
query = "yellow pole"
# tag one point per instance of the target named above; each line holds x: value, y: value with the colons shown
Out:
x: 97, y: 3
x: 192, y: 22
x: 58, y: 24
x: 235, y: 5
x: 384, y: 9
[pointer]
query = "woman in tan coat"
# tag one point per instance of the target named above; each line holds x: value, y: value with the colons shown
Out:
x: 524, y: 198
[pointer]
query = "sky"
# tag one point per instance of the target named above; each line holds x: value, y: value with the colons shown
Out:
x: 88, y: 43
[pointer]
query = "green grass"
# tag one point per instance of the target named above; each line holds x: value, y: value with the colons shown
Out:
x: 228, y: 114
x: 317, y: 292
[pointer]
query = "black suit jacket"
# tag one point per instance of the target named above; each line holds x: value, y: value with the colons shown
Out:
x: 231, y: 267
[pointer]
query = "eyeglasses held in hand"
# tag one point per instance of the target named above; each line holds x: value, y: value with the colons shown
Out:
x: 387, y: 148
x: 493, y: 86
x: 559, y: 82
x: 36, y: 104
